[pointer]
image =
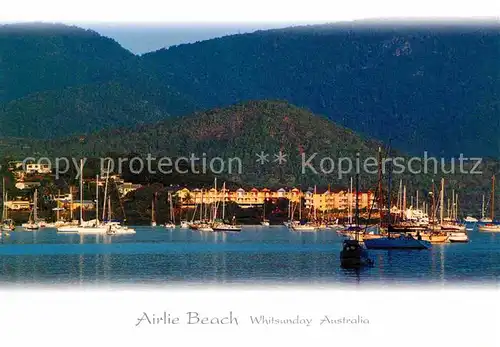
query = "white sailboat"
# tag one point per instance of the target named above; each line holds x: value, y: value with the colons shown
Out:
x: 222, y: 225
x: 456, y: 232
x: 484, y: 219
x: 32, y: 221
x: 170, y: 224
x: 490, y: 226
x: 91, y: 226
x: 113, y: 227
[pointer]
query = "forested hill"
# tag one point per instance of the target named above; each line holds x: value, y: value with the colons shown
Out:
x: 434, y: 89
x: 243, y: 131
x: 420, y: 89
x: 57, y: 80
x: 41, y: 57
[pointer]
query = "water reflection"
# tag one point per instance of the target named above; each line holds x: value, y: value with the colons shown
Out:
x: 255, y: 254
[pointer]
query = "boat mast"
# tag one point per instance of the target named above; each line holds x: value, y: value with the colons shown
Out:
x: 482, y: 209
x: 400, y: 199
x: 441, y: 196
x: 389, y: 198
x: 300, y: 208
x: 153, y: 207
x: 433, y: 204
x: 314, y: 205
x: 223, y: 201
x: 417, y: 201
x: 35, y: 206
x: 57, y: 210
x: 214, y: 203
x: 109, y: 208
x: 81, y: 191
x: 380, y: 198
x: 493, y: 198
x: 201, y: 206
x: 172, y: 216
x: 97, y: 200
x: 71, y: 202
x: 357, y: 206
x: 3, y: 199
x: 106, y: 191
x: 453, y: 205
x: 403, y: 211
x: 350, y: 203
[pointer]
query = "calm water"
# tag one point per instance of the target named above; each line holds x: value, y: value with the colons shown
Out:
x: 256, y: 255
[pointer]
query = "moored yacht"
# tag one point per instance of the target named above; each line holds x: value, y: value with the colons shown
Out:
x: 222, y: 226
x: 470, y: 219
x: 458, y: 237
x: 204, y: 227
x: 490, y: 227
x: 303, y: 227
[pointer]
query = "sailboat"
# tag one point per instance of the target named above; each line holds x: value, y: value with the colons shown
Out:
x: 389, y: 242
x: 484, y: 219
x: 91, y: 226
x: 222, y: 225
x: 113, y: 227
x: 7, y: 223
x: 171, y: 223
x: 32, y: 221
x: 353, y: 254
x: 302, y: 226
x: 455, y: 231
x: 491, y: 227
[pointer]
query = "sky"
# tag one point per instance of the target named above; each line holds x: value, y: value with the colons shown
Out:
x: 143, y: 38
x: 219, y: 16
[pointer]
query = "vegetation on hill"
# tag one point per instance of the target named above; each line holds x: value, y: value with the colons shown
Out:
x: 243, y: 131
x: 434, y: 88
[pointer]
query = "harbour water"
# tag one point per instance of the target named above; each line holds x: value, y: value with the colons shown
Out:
x: 257, y: 255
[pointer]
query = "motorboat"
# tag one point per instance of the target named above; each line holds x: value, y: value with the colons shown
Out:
x: 458, y: 237
x: 353, y: 255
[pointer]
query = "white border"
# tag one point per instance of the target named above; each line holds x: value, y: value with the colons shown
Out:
x: 77, y: 317
x: 227, y: 11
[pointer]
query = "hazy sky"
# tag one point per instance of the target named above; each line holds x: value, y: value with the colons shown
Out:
x: 140, y: 39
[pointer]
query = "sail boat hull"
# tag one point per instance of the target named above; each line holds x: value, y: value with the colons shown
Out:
x: 396, y: 243
x: 491, y: 228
